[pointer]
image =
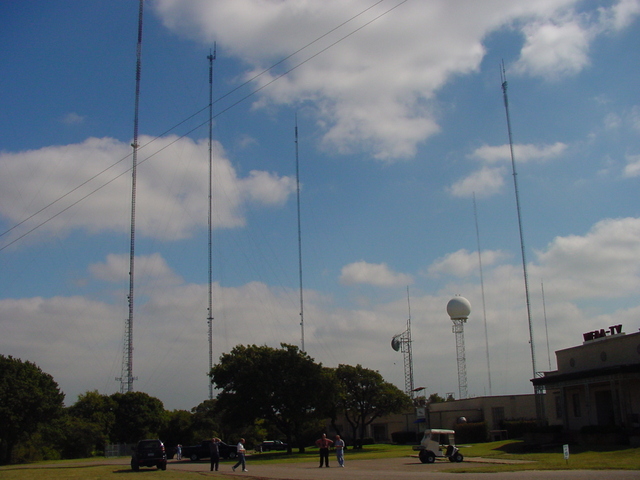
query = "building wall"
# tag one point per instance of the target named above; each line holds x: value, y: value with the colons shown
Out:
x: 491, y: 410
x: 445, y: 415
x: 597, y: 383
x: 617, y: 349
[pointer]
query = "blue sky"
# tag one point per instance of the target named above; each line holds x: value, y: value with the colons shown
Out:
x: 401, y: 123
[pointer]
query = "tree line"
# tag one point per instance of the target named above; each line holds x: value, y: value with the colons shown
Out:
x: 264, y: 392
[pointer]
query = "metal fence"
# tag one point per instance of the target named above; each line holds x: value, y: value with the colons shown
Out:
x: 118, y: 450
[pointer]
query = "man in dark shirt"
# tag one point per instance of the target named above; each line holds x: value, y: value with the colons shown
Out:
x: 214, y: 450
x: 323, y: 444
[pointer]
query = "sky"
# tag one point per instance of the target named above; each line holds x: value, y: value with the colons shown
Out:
x: 407, y: 194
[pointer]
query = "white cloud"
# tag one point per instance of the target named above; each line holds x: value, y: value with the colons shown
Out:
x: 464, y: 263
x: 521, y: 152
x: 377, y: 274
x: 78, y: 341
x: 553, y: 50
x: 267, y: 188
x: 375, y: 84
x: 484, y: 182
x: 632, y: 169
x: 72, y: 118
x: 489, y: 180
x: 612, y: 121
x: 172, y: 187
x: 601, y: 264
x: 622, y: 14
x: 116, y: 268
x: 634, y: 118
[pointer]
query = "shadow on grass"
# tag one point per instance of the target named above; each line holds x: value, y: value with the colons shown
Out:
x: 523, y: 447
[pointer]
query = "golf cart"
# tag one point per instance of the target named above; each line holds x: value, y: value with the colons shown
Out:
x: 438, y: 443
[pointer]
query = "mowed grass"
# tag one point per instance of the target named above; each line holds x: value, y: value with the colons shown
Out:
x: 580, y: 458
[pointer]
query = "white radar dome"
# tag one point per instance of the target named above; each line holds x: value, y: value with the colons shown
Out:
x: 458, y: 307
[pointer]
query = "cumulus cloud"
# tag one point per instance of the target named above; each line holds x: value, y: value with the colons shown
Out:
x: 377, y: 274
x: 484, y: 182
x: 72, y: 118
x: 92, y: 180
x: 601, y: 264
x: 373, y: 70
x: 632, y: 169
x: 116, y: 269
x: 553, y: 50
x: 464, y: 263
x: 78, y: 340
x: 489, y: 179
x: 521, y: 152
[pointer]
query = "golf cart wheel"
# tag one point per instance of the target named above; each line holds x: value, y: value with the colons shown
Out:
x: 458, y: 457
x: 426, y: 456
x: 194, y: 457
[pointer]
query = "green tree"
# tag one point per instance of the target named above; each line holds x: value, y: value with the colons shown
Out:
x: 365, y: 396
x: 178, y: 429
x: 207, y: 422
x: 28, y: 397
x: 435, y: 398
x: 75, y: 437
x: 93, y: 416
x: 283, y: 386
x: 138, y: 416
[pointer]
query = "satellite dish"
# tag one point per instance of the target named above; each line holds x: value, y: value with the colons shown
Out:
x: 395, y: 343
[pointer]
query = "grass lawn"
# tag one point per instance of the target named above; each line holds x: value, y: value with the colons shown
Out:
x: 623, y: 458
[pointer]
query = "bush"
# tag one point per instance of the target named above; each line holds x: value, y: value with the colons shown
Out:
x: 517, y: 428
x: 471, y: 432
x: 402, y: 438
x: 601, y: 429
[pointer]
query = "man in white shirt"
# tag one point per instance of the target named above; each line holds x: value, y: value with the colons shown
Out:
x: 241, y: 460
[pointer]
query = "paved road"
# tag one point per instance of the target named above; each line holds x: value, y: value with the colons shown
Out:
x: 406, y: 468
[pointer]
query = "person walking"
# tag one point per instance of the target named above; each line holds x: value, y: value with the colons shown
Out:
x: 214, y: 451
x: 241, y: 459
x: 323, y: 444
x: 179, y: 452
x: 339, y: 444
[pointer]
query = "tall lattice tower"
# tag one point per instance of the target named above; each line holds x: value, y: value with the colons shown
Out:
x: 402, y: 342
x: 126, y: 378
x: 459, y: 309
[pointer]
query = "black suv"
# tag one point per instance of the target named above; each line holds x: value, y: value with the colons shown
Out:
x: 149, y: 453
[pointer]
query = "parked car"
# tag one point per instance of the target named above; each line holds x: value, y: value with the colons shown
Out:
x: 149, y: 453
x: 269, y: 445
x: 203, y: 450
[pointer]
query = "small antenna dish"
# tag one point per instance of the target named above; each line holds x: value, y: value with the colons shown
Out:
x: 395, y: 342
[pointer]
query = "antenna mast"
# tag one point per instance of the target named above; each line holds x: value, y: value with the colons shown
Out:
x: 408, y: 354
x: 546, y: 329
x: 299, y: 236
x: 402, y: 342
x: 484, y: 310
x: 538, y: 389
x: 211, y: 57
x: 126, y: 377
